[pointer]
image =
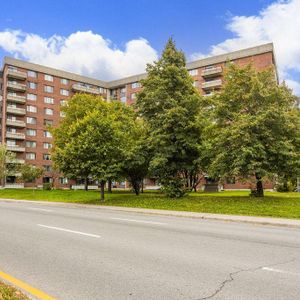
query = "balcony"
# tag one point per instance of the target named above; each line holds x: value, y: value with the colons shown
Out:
x: 15, y: 148
x: 85, y: 89
x: 16, y: 136
x: 17, y: 99
x: 16, y: 74
x: 16, y: 111
x: 213, y: 84
x: 15, y: 86
x: 210, y: 72
x: 15, y: 123
x: 16, y: 161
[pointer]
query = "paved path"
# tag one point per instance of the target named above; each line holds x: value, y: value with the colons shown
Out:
x: 91, y: 253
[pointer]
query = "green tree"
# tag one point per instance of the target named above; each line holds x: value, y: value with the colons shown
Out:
x: 255, y: 128
x: 8, y: 165
x: 30, y: 173
x: 170, y: 104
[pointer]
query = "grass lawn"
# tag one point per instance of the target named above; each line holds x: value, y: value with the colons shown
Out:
x: 274, y: 204
x: 10, y: 293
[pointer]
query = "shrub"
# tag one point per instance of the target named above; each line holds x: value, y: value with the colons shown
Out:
x: 47, y: 186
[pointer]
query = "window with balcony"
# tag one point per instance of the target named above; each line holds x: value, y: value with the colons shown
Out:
x: 46, y: 156
x: 193, y: 72
x: 31, y: 132
x: 30, y: 156
x: 31, y: 120
x: 11, y: 130
x: 64, y: 81
x: 47, y: 134
x: 48, y: 77
x: 64, y: 92
x: 48, y: 100
x: 32, y: 74
x: 31, y: 97
x: 30, y: 144
x: 48, y: 89
x: 32, y: 85
x: 31, y: 108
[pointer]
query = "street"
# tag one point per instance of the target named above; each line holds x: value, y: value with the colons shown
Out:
x: 75, y: 253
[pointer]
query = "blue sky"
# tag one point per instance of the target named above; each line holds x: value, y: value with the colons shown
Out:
x: 97, y: 38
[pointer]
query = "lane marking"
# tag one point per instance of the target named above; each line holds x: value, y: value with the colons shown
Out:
x: 279, y: 271
x: 139, y: 221
x: 40, y: 209
x: 68, y: 230
x: 24, y: 286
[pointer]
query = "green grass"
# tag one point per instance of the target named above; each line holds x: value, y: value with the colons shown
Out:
x: 274, y: 204
x: 10, y: 293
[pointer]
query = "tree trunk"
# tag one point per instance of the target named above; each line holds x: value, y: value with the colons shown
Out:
x: 259, y: 186
x: 102, y: 187
x: 86, y: 183
x: 142, y: 186
x: 109, y: 189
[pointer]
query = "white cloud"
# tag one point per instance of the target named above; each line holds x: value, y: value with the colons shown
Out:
x: 85, y: 53
x: 278, y: 23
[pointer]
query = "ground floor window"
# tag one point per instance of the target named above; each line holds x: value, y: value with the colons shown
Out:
x: 47, y: 179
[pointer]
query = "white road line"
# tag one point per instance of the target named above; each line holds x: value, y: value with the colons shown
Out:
x: 279, y: 271
x: 139, y: 221
x: 68, y: 230
x: 40, y: 209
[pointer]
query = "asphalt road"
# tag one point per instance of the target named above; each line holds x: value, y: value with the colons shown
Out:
x: 75, y: 253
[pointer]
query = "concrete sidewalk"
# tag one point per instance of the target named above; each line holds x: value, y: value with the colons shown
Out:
x: 185, y: 214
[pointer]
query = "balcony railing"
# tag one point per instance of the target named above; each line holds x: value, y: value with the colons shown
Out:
x: 85, y: 89
x: 15, y: 148
x: 16, y: 123
x: 16, y: 136
x: 210, y: 72
x: 16, y: 110
x: 15, y: 86
x: 17, y: 99
x: 213, y: 84
x: 16, y: 74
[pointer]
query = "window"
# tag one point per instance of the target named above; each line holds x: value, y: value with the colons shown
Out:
x: 46, y: 156
x: 48, y: 111
x: 196, y: 83
x: 193, y: 72
x: 47, y: 168
x: 48, y: 77
x: 47, y: 134
x: 30, y: 144
x: 135, y: 85
x: 48, y: 122
x: 63, y: 180
x: 63, y: 102
x: 133, y: 96
x: 31, y: 97
x: 47, y: 145
x: 32, y: 74
x: 64, y: 92
x: 48, y: 89
x: 31, y: 132
x: 31, y: 108
x: 32, y: 85
x: 30, y: 120
x: 11, y: 143
x: 30, y: 155
x: 62, y: 114
x: 64, y: 81
x: 48, y: 100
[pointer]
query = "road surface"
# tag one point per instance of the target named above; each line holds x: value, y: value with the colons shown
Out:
x: 86, y: 253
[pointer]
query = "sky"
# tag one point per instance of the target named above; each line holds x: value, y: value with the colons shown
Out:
x: 112, y: 39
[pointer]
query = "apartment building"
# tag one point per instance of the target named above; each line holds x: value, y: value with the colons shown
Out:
x: 32, y: 96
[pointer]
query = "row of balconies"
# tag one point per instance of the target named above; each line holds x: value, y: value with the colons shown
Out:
x: 15, y: 148
x: 16, y: 86
x: 210, y: 72
x: 16, y: 110
x: 12, y: 73
x: 212, y: 84
x: 16, y: 136
x: 15, y: 123
x: 85, y: 89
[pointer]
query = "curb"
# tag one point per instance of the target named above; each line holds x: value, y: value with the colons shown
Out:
x: 185, y: 214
